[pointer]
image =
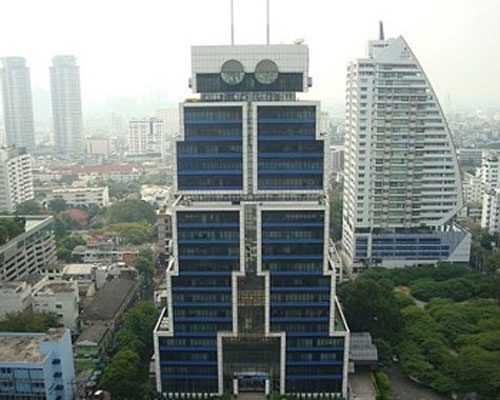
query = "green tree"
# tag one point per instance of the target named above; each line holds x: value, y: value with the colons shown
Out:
x: 131, y: 210
x: 29, y: 321
x: 58, y: 205
x: 137, y: 325
x: 10, y: 228
x: 121, y: 374
x: 336, y: 207
x: 371, y: 306
x: 29, y: 207
x: 66, y: 245
x: 134, y: 233
x: 145, y: 266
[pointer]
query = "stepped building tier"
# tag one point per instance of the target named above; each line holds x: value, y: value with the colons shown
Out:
x: 251, y: 285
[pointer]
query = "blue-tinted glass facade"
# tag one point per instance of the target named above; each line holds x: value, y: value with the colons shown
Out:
x: 211, y: 155
x: 208, y: 253
x: 293, y: 253
x: 289, y: 155
x: 406, y: 246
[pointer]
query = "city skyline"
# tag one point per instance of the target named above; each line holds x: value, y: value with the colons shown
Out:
x: 140, y: 56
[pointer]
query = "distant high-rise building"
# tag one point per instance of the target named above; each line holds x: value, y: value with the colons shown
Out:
x: 402, y: 182
x: 147, y: 137
x: 66, y: 106
x: 16, y: 179
x: 250, y: 296
x: 17, y: 103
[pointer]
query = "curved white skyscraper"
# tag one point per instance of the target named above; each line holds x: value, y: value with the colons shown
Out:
x: 402, y: 182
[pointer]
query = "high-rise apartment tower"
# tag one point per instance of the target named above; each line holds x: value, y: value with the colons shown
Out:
x: 251, y: 288
x: 16, y: 178
x: 17, y: 103
x: 66, y: 106
x: 402, y: 183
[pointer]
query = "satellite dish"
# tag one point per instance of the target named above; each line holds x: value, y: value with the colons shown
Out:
x: 299, y: 41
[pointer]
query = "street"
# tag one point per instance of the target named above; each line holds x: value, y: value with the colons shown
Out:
x: 402, y: 388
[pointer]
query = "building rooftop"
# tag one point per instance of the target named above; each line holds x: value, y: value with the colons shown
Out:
x: 78, y: 269
x: 362, y: 349
x: 109, y: 299
x: 92, y: 335
x: 57, y: 287
x: 25, y: 347
x: 79, y: 189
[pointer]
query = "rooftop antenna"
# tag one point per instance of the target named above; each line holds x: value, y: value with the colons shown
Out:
x: 381, y: 35
x: 232, y: 23
x: 267, y: 13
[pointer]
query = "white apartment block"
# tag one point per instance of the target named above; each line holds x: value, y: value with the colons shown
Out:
x: 16, y: 179
x: 147, y: 137
x: 17, y: 103
x: 66, y: 105
x: 473, y: 188
x: 401, y: 178
x: 41, y: 295
x: 29, y: 252
x: 85, y: 196
x: 60, y: 297
x: 489, y: 173
x: 490, y: 216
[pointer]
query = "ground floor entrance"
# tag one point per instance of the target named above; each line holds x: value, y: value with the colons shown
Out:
x: 251, y: 382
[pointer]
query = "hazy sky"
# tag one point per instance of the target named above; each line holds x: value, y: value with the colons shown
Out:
x: 126, y: 47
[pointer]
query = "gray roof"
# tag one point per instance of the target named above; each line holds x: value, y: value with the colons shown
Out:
x: 361, y: 347
x: 93, y: 334
x: 109, y: 299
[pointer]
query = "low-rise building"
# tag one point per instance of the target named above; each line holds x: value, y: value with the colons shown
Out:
x: 490, y: 215
x: 109, y: 303
x: 40, y: 294
x: 37, y: 365
x: 61, y: 298
x: 14, y: 297
x: 30, y: 251
x: 16, y: 179
x: 154, y: 194
x: 81, y: 196
x: 90, y: 345
x: 104, y: 253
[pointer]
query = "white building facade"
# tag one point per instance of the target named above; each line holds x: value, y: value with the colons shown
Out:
x: 402, y: 183
x: 17, y: 103
x: 66, y: 106
x: 16, y: 179
x: 30, y: 251
x: 147, y: 137
x: 85, y: 196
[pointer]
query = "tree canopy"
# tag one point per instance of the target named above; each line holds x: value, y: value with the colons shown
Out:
x: 126, y: 375
x: 29, y: 207
x: 29, y: 321
x: 131, y: 210
x: 10, y: 228
x: 450, y: 341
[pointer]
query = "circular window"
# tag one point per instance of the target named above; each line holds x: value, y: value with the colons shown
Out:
x: 232, y: 72
x: 266, y: 72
